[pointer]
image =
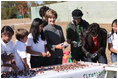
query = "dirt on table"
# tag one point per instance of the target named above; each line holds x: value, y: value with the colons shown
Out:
x: 26, y: 23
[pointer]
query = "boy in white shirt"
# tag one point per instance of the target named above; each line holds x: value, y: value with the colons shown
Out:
x: 20, y: 48
x: 7, y: 55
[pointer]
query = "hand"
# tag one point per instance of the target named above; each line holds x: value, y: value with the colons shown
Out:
x: 79, y: 44
x: 6, y: 57
x: 27, y: 66
x: 4, y: 54
x: 11, y: 56
x: 15, y: 67
x: 13, y: 61
x: 76, y: 44
x: 48, y: 54
x: 90, y: 55
x: 94, y: 55
x: 59, y: 46
x: 65, y: 44
x: 43, y: 54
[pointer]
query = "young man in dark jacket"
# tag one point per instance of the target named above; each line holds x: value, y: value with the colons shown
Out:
x: 74, y: 34
x: 94, y: 44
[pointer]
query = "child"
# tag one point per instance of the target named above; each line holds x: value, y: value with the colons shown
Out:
x: 7, y: 54
x: 20, y: 49
x: 36, y: 44
x: 112, y: 41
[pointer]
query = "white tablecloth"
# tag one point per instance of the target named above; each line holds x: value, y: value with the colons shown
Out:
x: 90, y: 72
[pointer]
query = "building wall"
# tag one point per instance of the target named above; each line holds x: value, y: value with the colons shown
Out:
x: 94, y: 11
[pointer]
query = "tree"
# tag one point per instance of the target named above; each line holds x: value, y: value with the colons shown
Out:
x: 10, y: 8
x: 49, y: 2
x: 34, y: 4
x: 22, y: 8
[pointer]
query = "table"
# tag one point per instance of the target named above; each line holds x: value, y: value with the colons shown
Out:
x: 68, y: 70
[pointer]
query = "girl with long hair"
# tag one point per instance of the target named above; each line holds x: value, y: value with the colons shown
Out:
x: 112, y: 41
x: 36, y: 44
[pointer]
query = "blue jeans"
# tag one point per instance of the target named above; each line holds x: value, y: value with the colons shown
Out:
x: 100, y: 59
x: 113, y: 57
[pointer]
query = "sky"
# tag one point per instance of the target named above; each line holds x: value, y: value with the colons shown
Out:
x: 40, y: 2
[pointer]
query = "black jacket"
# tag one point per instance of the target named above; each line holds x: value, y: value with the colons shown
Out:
x: 101, y: 45
x: 71, y: 32
x: 54, y: 35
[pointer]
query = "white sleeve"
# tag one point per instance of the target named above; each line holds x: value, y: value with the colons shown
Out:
x: 10, y: 47
x: 29, y: 41
x: 109, y: 39
x: 45, y: 42
x: 21, y: 50
x: 2, y: 49
x: 1, y: 62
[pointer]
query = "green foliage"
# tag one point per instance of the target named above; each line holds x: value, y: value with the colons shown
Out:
x: 49, y: 2
x: 9, y: 9
x: 33, y: 4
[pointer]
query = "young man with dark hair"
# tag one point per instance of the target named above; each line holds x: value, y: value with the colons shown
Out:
x: 74, y: 34
x: 42, y: 12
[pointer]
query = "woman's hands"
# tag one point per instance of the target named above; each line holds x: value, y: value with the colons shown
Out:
x: 45, y: 54
x: 62, y: 45
x: 59, y: 46
x: 48, y: 54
